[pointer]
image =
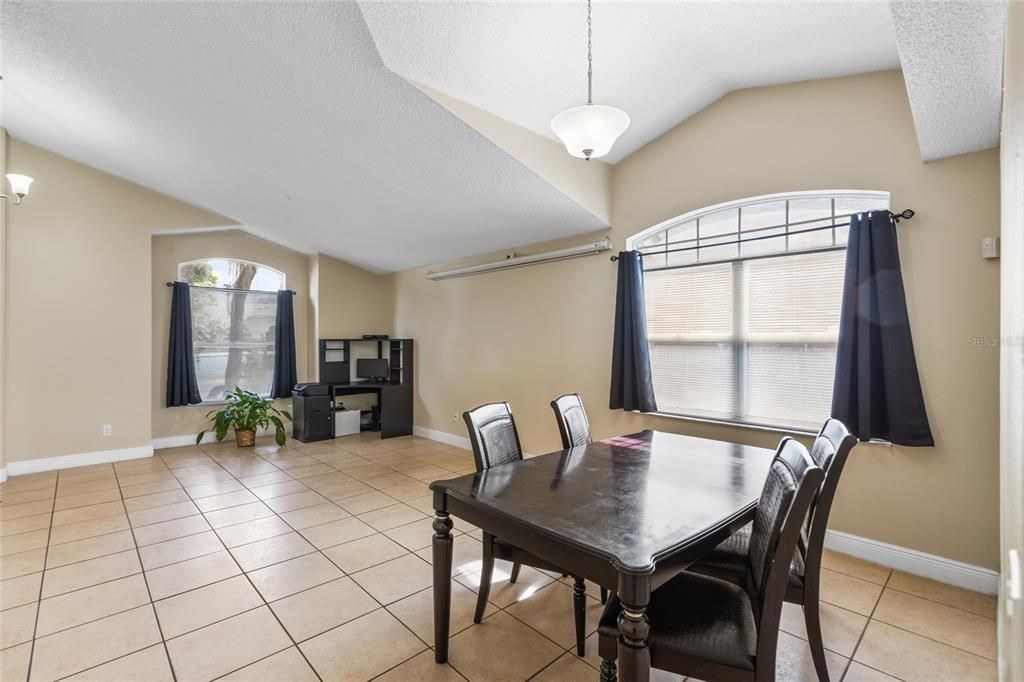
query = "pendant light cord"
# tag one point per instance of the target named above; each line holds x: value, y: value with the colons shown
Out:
x: 590, y: 58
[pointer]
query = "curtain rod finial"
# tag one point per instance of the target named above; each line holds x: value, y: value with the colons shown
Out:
x: 906, y: 214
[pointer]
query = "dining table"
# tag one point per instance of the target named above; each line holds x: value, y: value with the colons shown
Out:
x: 627, y: 513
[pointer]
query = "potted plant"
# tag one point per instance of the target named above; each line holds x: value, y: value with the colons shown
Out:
x: 245, y: 413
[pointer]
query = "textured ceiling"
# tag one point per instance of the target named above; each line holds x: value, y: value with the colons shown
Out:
x: 280, y: 116
x: 952, y: 57
x: 660, y: 62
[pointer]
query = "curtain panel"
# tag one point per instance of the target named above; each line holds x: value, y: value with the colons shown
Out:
x: 631, y: 384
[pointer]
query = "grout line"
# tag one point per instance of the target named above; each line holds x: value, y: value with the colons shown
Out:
x: 39, y: 600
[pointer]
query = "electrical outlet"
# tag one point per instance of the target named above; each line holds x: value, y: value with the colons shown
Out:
x: 455, y: 418
x: 108, y: 430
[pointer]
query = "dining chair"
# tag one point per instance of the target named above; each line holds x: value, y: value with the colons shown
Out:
x: 728, y: 561
x: 574, y: 428
x: 714, y: 629
x: 495, y: 441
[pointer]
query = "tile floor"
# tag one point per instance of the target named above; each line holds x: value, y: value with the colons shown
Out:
x: 312, y: 562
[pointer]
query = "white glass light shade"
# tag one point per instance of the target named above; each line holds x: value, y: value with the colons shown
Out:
x: 590, y: 127
x: 19, y: 183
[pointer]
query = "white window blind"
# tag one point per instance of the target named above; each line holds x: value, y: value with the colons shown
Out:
x: 747, y: 332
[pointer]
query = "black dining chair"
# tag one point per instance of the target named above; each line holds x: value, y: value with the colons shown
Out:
x: 573, y: 425
x: 714, y: 629
x: 728, y: 561
x: 495, y: 441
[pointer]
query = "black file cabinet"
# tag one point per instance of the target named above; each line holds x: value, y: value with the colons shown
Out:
x: 312, y: 413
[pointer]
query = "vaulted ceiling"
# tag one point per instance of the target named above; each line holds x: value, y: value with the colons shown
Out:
x: 303, y: 121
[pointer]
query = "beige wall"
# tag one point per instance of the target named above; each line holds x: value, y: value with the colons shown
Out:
x: 79, y: 324
x: 168, y: 252
x: 530, y: 334
x: 351, y: 301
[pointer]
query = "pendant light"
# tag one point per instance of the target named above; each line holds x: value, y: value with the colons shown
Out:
x: 589, y: 131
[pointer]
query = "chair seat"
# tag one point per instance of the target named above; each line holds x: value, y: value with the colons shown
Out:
x: 696, y: 616
x: 728, y: 561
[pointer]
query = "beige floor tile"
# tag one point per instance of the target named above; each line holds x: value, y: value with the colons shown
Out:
x: 226, y: 646
x: 25, y: 524
x: 142, y: 478
x: 964, y: 630
x: 215, y: 502
x: 413, y: 536
x: 568, y: 668
x: 314, y: 516
x: 261, y: 480
x: 288, y: 577
x: 503, y: 593
x: 23, y: 542
x: 287, y: 503
x: 364, y: 552
x: 858, y: 568
x: 360, y: 504
x: 422, y: 668
x: 20, y: 591
x: 134, y: 504
x: 67, y: 502
x: 392, y: 580
x: 170, y: 530
x: 550, y: 612
x: 342, y: 491
x: 315, y: 469
x: 17, y: 625
x: 231, y: 516
x: 88, y: 529
x: 268, y: 492
x: 793, y: 662
x: 417, y: 611
x: 392, y: 479
x: 81, y: 488
x: 336, y: 532
x: 915, y: 658
x: 14, y: 663
x: 852, y: 594
x: 841, y: 629
x: 10, y: 499
x: 271, y: 551
x: 251, y: 531
x: 391, y: 517
x: 91, y: 603
x: 187, y: 575
x: 167, y: 512
x: 407, y: 493
x: 90, y: 548
x: 975, y: 602
x: 148, y: 665
x: 858, y: 672
x: 215, y: 488
x: 13, y: 565
x: 88, y: 512
x: 501, y: 648
x: 353, y: 651
x: 284, y: 666
x: 92, y: 572
x: 71, y: 651
x: 205, y: 605
x: 321, y: 608
x: 180, y: 549
x: 150, y: 488
x: 368, y: 471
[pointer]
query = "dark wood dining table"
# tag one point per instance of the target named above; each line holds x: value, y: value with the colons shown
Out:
x: 627, y: 513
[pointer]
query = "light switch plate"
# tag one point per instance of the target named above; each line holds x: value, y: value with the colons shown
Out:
x: 990, y: 247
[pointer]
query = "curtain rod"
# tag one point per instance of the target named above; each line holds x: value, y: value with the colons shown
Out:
x: 906, y: 214
x: 243, y: 291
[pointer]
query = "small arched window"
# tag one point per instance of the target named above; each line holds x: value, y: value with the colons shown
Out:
x: 743, y: 303
x: 234, y: 313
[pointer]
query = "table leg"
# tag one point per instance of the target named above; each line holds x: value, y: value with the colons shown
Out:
x: 634, y: 655
x: 442, y: 546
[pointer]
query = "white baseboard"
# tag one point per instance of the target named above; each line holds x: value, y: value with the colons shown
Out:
x: 3, y: 475
x: 33, y: 466
x: 442, y: 437
x: 190, y: 439
x: 949, y: 571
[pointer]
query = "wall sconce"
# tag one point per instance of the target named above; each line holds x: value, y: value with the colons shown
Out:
x: 19, y: 187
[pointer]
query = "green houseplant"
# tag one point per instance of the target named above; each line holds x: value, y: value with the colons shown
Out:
x: 245, y: 413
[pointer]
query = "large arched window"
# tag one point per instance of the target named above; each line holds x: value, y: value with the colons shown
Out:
x: 744, y: 330
x: 234, y: 310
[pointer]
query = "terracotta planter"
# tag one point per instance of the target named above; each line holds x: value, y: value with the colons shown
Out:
x: 245, y: 439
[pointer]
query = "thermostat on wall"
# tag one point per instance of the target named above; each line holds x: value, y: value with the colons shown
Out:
x: 990, y: 247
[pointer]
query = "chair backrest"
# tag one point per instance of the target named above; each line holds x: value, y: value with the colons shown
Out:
x: 829, y: 451
x: 493, y: 434
x: 792, y: 483
x: 573, y: 425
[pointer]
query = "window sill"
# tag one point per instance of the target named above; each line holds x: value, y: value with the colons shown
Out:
x: 739, y: 425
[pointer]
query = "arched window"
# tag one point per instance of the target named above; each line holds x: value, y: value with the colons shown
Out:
x: 743, y: 303
x: 234, y: 311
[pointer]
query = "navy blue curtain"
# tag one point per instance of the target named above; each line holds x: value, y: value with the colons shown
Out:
x: 632, y: 388
x: 285, y: 375
x: 877, y: 392
x: 182, y: 388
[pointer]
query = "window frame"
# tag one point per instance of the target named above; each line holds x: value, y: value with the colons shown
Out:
x: 739, y: 379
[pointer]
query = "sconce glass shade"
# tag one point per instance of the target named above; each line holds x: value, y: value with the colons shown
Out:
x: 19, y: 183
x: 589, y: 131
